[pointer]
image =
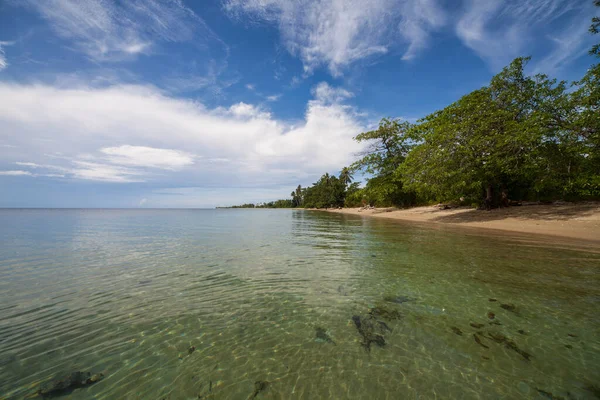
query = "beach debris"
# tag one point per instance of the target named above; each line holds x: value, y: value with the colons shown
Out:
x: 191, y: 350
x: 397, y: 299
x: 478, y: 341
x: 322, y: 336
x: 501, y: 339
x: 69, y: 383
x: 491, y: 315
x: 476, y: 326
x: 549, y: 395
x: 368, y: 328
x: 509, y: 307
x: 259, y: 386
x: 456, y: 330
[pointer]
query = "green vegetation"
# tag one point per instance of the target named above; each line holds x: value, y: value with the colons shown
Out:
x: 521, y: 138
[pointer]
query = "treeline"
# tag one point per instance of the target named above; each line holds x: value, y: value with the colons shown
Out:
x: 520, y: 137
x: 285, y: 203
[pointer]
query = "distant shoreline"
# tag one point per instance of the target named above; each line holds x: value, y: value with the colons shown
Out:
x: 570, y: 220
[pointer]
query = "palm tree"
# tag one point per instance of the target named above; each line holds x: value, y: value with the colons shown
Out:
x: 346, y: 176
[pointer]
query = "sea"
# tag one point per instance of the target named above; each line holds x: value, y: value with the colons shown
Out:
x: 290, y: 304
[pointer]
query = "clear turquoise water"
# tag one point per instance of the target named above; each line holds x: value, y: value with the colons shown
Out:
x: 128, y: 292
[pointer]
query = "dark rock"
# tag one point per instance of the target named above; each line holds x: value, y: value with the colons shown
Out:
x: 509, y: 307
x: 491, y: 315
x: 371, y: 331
x: 522, y: 332
x: 500, y: 338
x: 478, y: 341
x: 69, y: 383
x: 456, y: 330
x: 321, y: 335
x: 191, y: 350
x: 492, y: 300
x: 259, y: 386
x: 397, y: 299
x: 549, y: 395
x: 385, y: 313
x: 476, y: 326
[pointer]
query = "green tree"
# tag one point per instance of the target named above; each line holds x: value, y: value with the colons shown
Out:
x: 346, y: 176
x: 594, y: 29
x: 487, y: 141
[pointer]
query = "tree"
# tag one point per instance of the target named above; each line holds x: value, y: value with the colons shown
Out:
x: 489, y: 140
x: 594, y: 29
x: 346, y: 176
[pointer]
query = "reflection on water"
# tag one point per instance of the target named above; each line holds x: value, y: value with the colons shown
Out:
x: 281, y: 304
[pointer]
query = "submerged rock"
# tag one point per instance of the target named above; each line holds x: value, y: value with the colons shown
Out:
x: 456, y: 330
x: 500, y: 338
x: 370, y: 330
x: 549, y: 395
x: 191, y: 350
x: 385, y: 313
x: 259, y: 386
x: 509, y: 307
x: 69, y: 383
x: 397, y: 299
x: 491, y: 315
x: 478, y: 341
x: 476, y: 326
x: 322, y: 335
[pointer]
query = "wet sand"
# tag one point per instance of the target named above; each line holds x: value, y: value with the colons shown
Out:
x: 576, y: 221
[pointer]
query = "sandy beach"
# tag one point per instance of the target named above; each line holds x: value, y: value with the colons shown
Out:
x: 576, y: 221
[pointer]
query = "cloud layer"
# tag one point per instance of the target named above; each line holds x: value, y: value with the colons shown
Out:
x: 337, y: 33
x: 139, y: 134
x: 116, y: 30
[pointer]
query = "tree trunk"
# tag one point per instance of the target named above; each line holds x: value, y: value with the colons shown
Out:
x: 489, y: 196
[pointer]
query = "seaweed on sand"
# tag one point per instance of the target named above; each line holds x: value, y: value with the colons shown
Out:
x: 501, y: 339
x: 397, y: 299
x: 69, y: 383
x: 322, y: 336
x: 370, y: 330
x: 259, y: 386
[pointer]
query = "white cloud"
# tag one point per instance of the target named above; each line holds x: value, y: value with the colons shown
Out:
x: 336, y: 33
x: 132, y: 133
x: 500, y: 30
x: 274, y: 97
x: 141, y: 156
x: 3, y: 62
x: 15, y: 173
x: 113, y: 30
x: 326, y: 93
x: 250, y: 86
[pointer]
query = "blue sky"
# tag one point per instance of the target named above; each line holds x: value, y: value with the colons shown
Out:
x: 166, y: 103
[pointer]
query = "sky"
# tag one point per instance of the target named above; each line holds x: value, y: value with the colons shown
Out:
x: 173, y: 103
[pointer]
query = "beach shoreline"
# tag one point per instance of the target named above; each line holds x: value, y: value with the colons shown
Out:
x: 569, y: 220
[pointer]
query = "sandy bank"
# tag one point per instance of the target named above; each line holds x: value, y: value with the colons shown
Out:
x: 577, y: 221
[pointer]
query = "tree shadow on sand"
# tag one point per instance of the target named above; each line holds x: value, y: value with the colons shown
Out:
x: 549, y: 212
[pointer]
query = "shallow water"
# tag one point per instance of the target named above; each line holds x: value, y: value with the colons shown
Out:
x: 128, y: 292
